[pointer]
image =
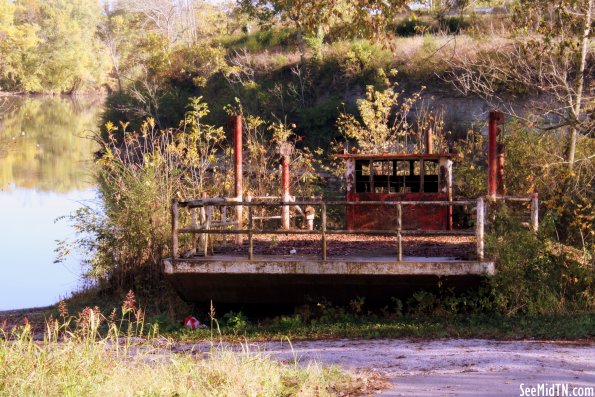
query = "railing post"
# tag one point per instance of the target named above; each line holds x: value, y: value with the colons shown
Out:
x: 224, y: 221
x: 250, y: 239
x: 534, y: 212
x: 194, y: 224
x: 399, y: 227
x: 208, y: 236
x: 479, y: 227
x: 323, y: 232
x: 174, y: 228
x: 203, y: 237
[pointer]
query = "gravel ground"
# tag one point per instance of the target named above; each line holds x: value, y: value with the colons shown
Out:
x: 357, y: 245
x: 450, y: 367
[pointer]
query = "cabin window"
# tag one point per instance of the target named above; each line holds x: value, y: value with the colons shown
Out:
x: 415, y: 167
x: 382, y: 168
x: 365, y: 169
x: 403, y: 168
x: 431, y: 167
x: 431, y: 171
x: 396, y: 176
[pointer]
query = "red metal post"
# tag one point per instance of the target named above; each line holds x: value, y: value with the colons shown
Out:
x: 236, y: 123
x: 495, y: 119
x: 285, y: 192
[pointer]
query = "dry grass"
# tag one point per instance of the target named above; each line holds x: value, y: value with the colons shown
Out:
x: 93, y: 355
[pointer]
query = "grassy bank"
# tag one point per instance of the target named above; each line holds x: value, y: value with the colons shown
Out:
x: 94, y: 355
x: 566, y: 327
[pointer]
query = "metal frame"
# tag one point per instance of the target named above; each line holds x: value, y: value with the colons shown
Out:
x: 209, y: 203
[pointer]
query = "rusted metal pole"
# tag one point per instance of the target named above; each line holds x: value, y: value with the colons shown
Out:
x: 534, y: 212
x: 236, y: 122
x: 495, y: 119
x: 174, y: 228
x: 479, y: 227
x: 399, y: 237
x: 285, y: 196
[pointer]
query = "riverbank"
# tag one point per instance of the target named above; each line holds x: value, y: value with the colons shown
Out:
x: 99, y: 94
x: 235, y: 327
x: 334, y: 367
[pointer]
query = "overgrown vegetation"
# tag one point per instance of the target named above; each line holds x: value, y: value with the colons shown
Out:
x: 377, y: 325
x: 318, y: 77
x: 91, y: 354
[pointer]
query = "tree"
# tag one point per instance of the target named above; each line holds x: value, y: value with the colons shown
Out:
x: 50, y: 46
x: 385, y: 125
x: 18, y: 41
x: 548, y: 55
x: 306, y: 15
x: 368, y: 17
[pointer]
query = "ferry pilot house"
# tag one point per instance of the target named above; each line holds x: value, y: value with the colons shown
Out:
x: 398, y: 177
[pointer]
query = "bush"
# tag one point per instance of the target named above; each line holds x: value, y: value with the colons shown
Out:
x: 453, y: 24
x: 138, y: 176
x: 536, y: 275
x: 411, y: 26
x: 262, y: 40
x: 358, y: 57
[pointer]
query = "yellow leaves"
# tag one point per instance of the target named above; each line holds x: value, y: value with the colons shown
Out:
x: 124, y: 125
x: 110, y: 127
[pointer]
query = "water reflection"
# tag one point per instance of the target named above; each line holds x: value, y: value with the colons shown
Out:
x: 42, y: 145
x: 44, y: 174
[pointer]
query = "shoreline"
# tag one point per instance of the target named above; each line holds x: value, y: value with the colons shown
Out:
x: 91, y: 94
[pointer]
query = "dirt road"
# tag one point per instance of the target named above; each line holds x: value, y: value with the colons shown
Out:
x: 452, y: 367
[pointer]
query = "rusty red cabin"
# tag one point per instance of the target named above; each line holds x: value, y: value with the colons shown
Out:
x: 398, y: 177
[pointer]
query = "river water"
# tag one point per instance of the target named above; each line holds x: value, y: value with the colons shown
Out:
x: 45, y: 173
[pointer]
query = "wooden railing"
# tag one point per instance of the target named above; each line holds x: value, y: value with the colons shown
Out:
x: 208, y: 225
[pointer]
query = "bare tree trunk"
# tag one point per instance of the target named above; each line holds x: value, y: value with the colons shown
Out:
x: 580, y: 79
x: 300, y: 40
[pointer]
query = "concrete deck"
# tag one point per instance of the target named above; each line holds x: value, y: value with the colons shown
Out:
x: 292, y: 279
x: 289, y: 264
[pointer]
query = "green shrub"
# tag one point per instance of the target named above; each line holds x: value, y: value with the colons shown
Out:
x: 453, y: 24
x: 262, y: 40
x: 236, y: 321
x: 537, y: 275
x: 359, y: 57
x: 411, y: 26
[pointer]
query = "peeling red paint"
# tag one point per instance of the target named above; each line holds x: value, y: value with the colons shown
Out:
x: 378, y: 217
